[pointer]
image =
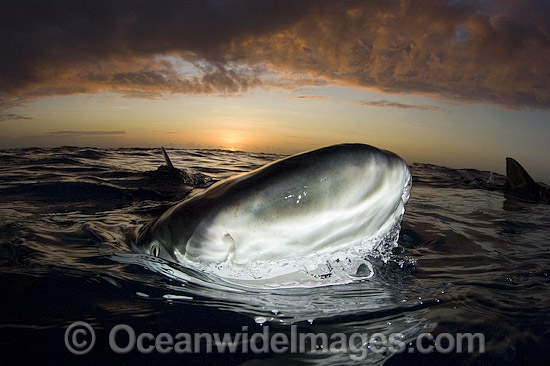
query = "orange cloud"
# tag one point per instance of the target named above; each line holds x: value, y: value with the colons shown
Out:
x: 484, y: 51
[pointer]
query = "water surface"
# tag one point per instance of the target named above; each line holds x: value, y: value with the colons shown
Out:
x: 469, y: 260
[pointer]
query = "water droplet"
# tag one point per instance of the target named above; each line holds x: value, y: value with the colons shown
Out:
x: 260, y: 320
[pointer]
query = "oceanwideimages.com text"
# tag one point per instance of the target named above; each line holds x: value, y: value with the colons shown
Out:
x: 80, y: 339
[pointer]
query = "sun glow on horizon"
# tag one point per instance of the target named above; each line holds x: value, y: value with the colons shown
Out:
x: 233, y: 139
x: 419, y: 129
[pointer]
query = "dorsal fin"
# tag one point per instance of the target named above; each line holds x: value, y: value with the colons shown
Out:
x: 520, y: 183
x: 167, y: 159
x: 517, y: 178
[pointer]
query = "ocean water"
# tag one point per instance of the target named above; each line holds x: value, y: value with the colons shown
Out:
x: 469, y: 261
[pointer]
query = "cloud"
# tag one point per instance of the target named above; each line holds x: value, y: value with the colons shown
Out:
x: 12, y: 117
x: 476, y: 51
x: 83, y: 133
x: 373, y: 103
x: 389, y: 104
x: 310, y: 97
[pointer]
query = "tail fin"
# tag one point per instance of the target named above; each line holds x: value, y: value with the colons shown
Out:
x: 167, y: 159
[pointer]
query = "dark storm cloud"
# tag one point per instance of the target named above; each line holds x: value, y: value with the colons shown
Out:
x: 57, y: 45
x: 486, y: 51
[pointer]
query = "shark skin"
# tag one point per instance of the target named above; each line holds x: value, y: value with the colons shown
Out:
x: 520, y: 184
x: 314, y: 203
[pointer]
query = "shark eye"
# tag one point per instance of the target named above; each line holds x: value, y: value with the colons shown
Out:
x: 154, y: 249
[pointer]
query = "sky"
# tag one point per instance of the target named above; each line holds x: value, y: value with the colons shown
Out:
x: 456, y: 83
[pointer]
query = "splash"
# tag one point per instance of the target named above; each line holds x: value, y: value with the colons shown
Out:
x: 348, y: 264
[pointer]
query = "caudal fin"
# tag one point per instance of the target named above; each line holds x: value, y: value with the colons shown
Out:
x: 167, y: 159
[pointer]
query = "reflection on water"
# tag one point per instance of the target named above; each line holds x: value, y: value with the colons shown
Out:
x: 469, y: 260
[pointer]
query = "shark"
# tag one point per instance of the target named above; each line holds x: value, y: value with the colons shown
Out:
x: 254, y: 224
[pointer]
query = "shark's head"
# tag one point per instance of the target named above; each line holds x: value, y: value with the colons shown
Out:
x: 317, y: 202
